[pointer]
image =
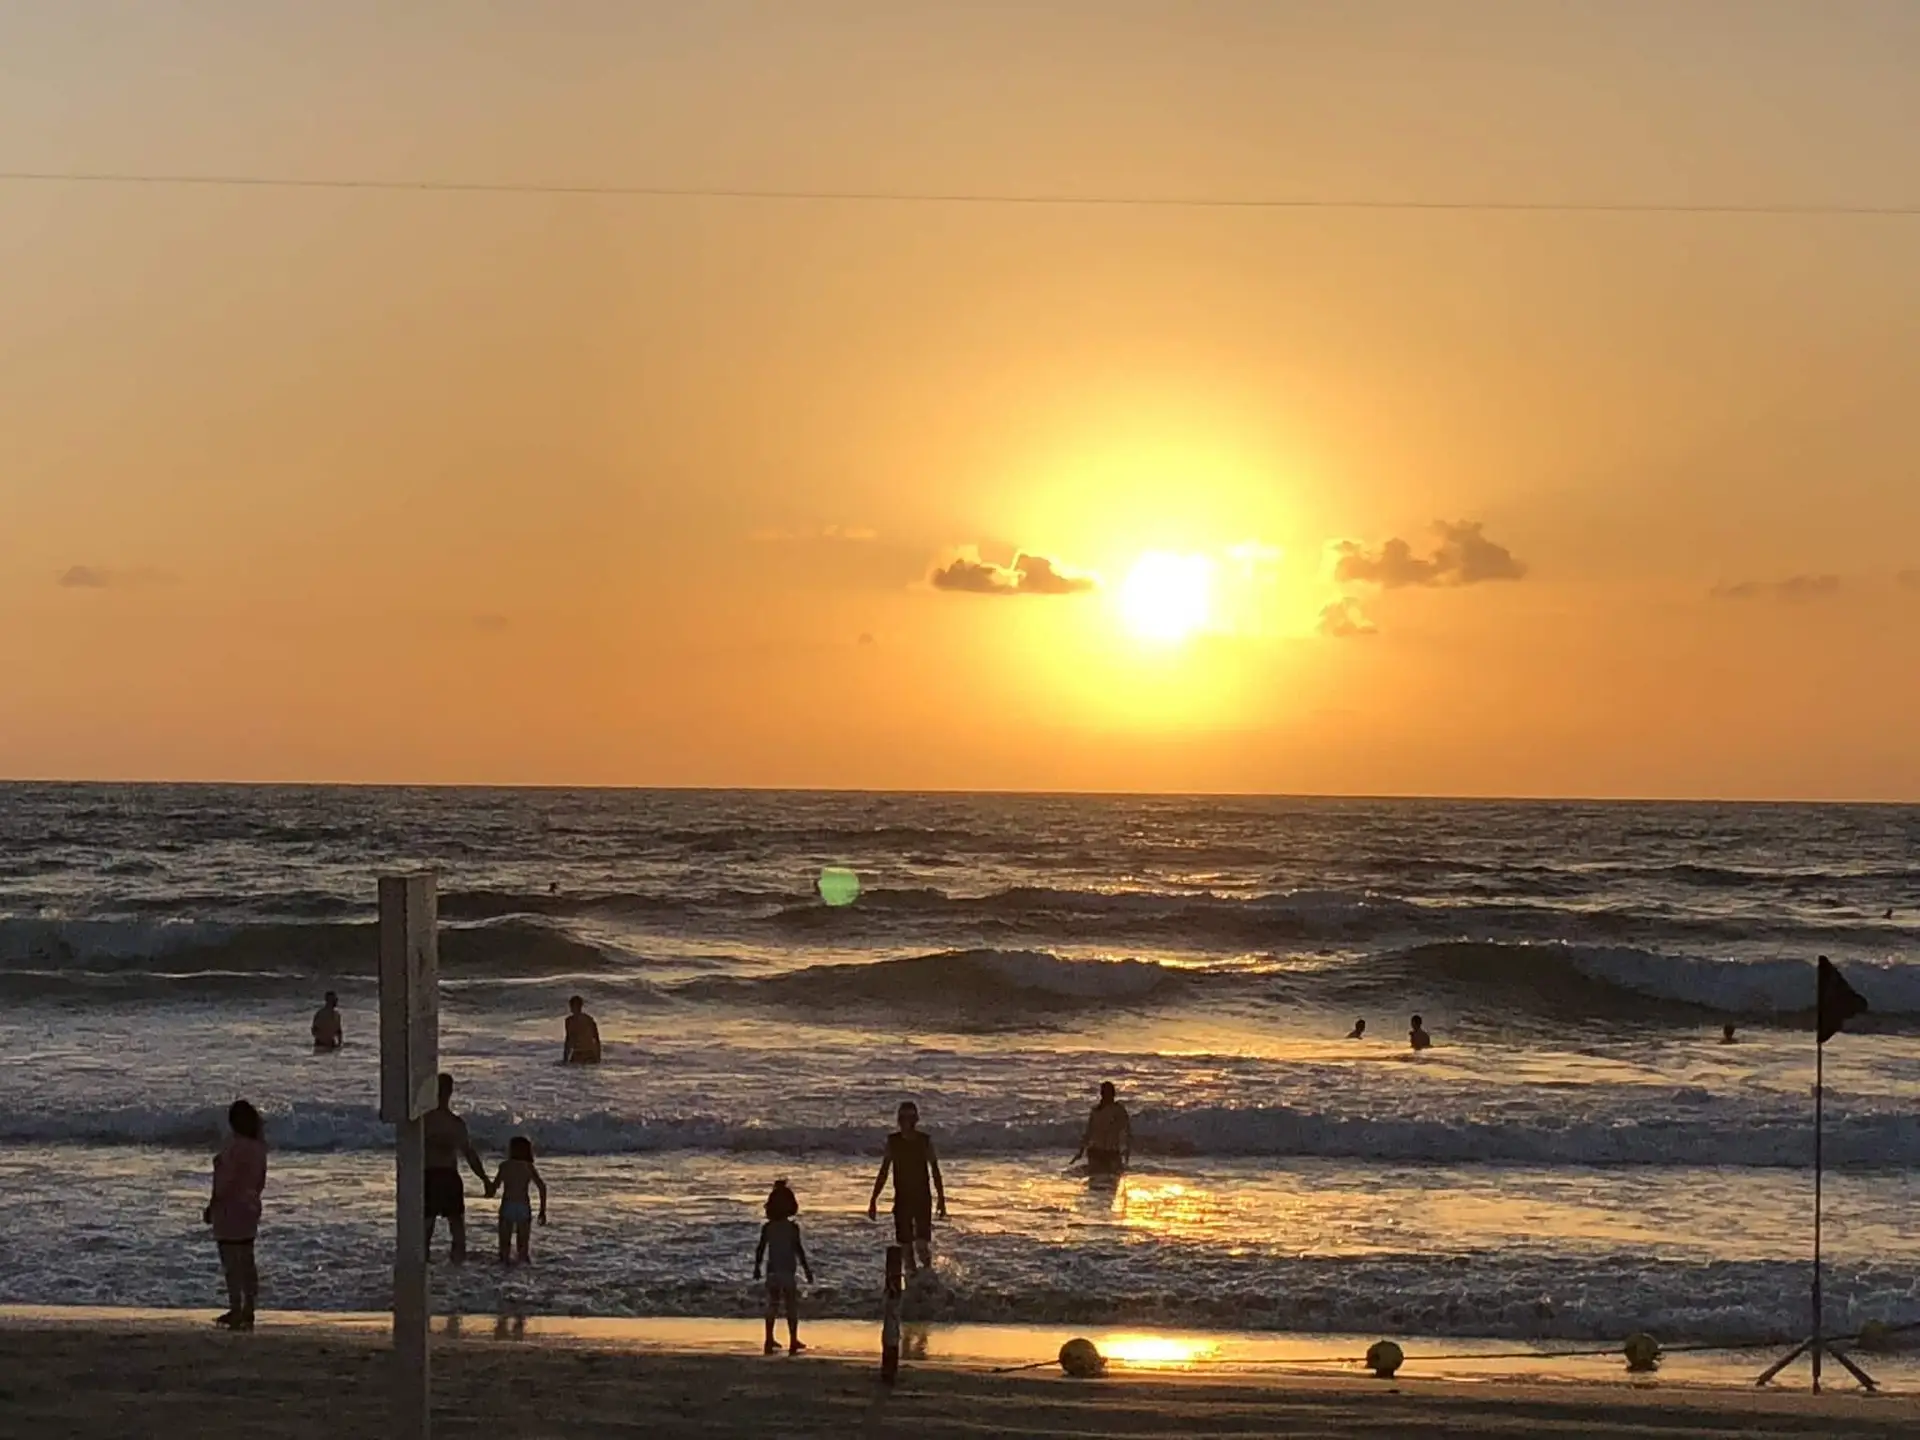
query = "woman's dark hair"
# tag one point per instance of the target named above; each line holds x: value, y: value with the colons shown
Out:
x: 520, y: 1148
x: 243, y: 1120
x: 781, y: 1202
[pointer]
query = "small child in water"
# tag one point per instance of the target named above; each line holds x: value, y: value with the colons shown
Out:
x: 780, y: 1247
x: 513, y: 1179
x: 1417, y: 1035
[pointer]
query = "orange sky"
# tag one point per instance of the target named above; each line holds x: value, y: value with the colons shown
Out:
x: 384, y: 486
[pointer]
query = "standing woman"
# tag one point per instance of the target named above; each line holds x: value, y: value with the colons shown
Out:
x: 239, y: 1175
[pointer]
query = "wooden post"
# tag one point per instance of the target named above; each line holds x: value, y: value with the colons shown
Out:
x: 890, y: 1315
x: 413, y: 1379
x: 409, y: 1077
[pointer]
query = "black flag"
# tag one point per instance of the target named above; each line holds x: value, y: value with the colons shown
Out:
x: 1839, y: 1001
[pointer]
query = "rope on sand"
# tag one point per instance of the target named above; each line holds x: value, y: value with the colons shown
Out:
x: 1323, y: 1361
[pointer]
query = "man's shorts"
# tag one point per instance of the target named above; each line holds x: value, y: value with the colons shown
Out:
x: 446, y: 1195
x: 913, y: 1220
x: 779, y: 1287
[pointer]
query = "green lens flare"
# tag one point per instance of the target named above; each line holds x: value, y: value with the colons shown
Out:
x: 839, y: 885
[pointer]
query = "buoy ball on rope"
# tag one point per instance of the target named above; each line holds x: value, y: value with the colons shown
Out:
x: 1642, y: 1352
x: 1080, y: 1359
x: 1384, y: 1358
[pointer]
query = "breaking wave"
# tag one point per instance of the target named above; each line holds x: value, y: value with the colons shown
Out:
x: 1701, y: 1133
x: 129, y: 949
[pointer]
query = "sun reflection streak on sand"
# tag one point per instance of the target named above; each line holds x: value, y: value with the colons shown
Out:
x: 1158, y: 1352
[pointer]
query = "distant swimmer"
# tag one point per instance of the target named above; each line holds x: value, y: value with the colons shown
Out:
x: 1726, y: 1035
x: 327, y: 1034
x: 1108, y: 1141
x: 1418, y: 1036
x: 447, y: 1144
x: 582, y: 1045
x: 916, y: 1187
x: 1359, y: 1030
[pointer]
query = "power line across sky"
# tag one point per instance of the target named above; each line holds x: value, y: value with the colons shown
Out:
x: 983, y: 198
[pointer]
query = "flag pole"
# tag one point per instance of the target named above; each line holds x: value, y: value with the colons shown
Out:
x: 1830, y: 1014
x: 1819, y: 1131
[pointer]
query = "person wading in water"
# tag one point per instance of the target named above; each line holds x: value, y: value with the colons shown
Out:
x: 917, y: 1187
x: 447, y: 1144
x: 1108, y: 1143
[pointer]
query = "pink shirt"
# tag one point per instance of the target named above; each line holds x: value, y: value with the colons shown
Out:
x: 239, y: 1175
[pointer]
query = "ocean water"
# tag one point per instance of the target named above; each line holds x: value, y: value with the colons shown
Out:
x: 1577, y: 1156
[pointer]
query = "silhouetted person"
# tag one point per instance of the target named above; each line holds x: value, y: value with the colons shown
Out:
x: 1108, y: 1141
x: 582, y: 1045
x: 447, y: 1144
x: 1418, y: 1037
x: 1726, y: 1035
x: 239, y: 1175
x: 516, y: 1179
x: 916, y: 1187
x: 1359, y: 1030
x: 785, y: 1256
x: 327, y: 1034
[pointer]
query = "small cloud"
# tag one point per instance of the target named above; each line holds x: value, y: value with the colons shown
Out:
x: 776, y: 535
x: 1464, y: 556
x: 1908, y: 579
x: 1794, y: 590
x: 1027, y: 575
x: 1039, y: 576
x: 866, y: 638
x: 492, y: 624
x: 1343, y: 620
x: 94, y: 577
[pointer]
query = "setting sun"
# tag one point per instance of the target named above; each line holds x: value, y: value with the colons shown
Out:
x: 1167, y: 597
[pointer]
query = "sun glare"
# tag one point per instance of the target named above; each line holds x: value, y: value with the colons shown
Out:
x: 1167, y: 597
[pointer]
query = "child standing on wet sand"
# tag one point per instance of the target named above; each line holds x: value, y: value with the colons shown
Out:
x: 780, y: 1247
x: 515, y: 1177
x: 239, y: 1175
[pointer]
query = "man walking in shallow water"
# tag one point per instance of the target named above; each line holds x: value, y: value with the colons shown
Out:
x: 446, y: 1144
x: 916, y: 1185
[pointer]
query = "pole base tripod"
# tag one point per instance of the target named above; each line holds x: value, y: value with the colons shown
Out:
x: 1815, y: 1346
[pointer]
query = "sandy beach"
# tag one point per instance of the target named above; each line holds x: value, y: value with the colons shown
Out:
x: 164, y: 1380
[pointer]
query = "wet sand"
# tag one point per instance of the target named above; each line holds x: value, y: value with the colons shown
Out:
x: 141, y: 1378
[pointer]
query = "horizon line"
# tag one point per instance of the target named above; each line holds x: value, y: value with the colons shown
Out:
x: 1021, y: 199
x: 1362, y: 797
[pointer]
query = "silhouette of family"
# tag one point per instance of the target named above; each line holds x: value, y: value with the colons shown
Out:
x: 908, y: 1159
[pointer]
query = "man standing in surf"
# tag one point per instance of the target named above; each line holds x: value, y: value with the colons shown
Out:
x: 447, y: 1143
x: 582, y: 1043
x: 917, y: 1187
x: 1108, y: 1141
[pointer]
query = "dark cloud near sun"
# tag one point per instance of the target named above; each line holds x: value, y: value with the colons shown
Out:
x: 1463, y: 556
x: 1027, y: 575
x: 1794, y: 590
x: 96, y: 577
x: 1344, y: 620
